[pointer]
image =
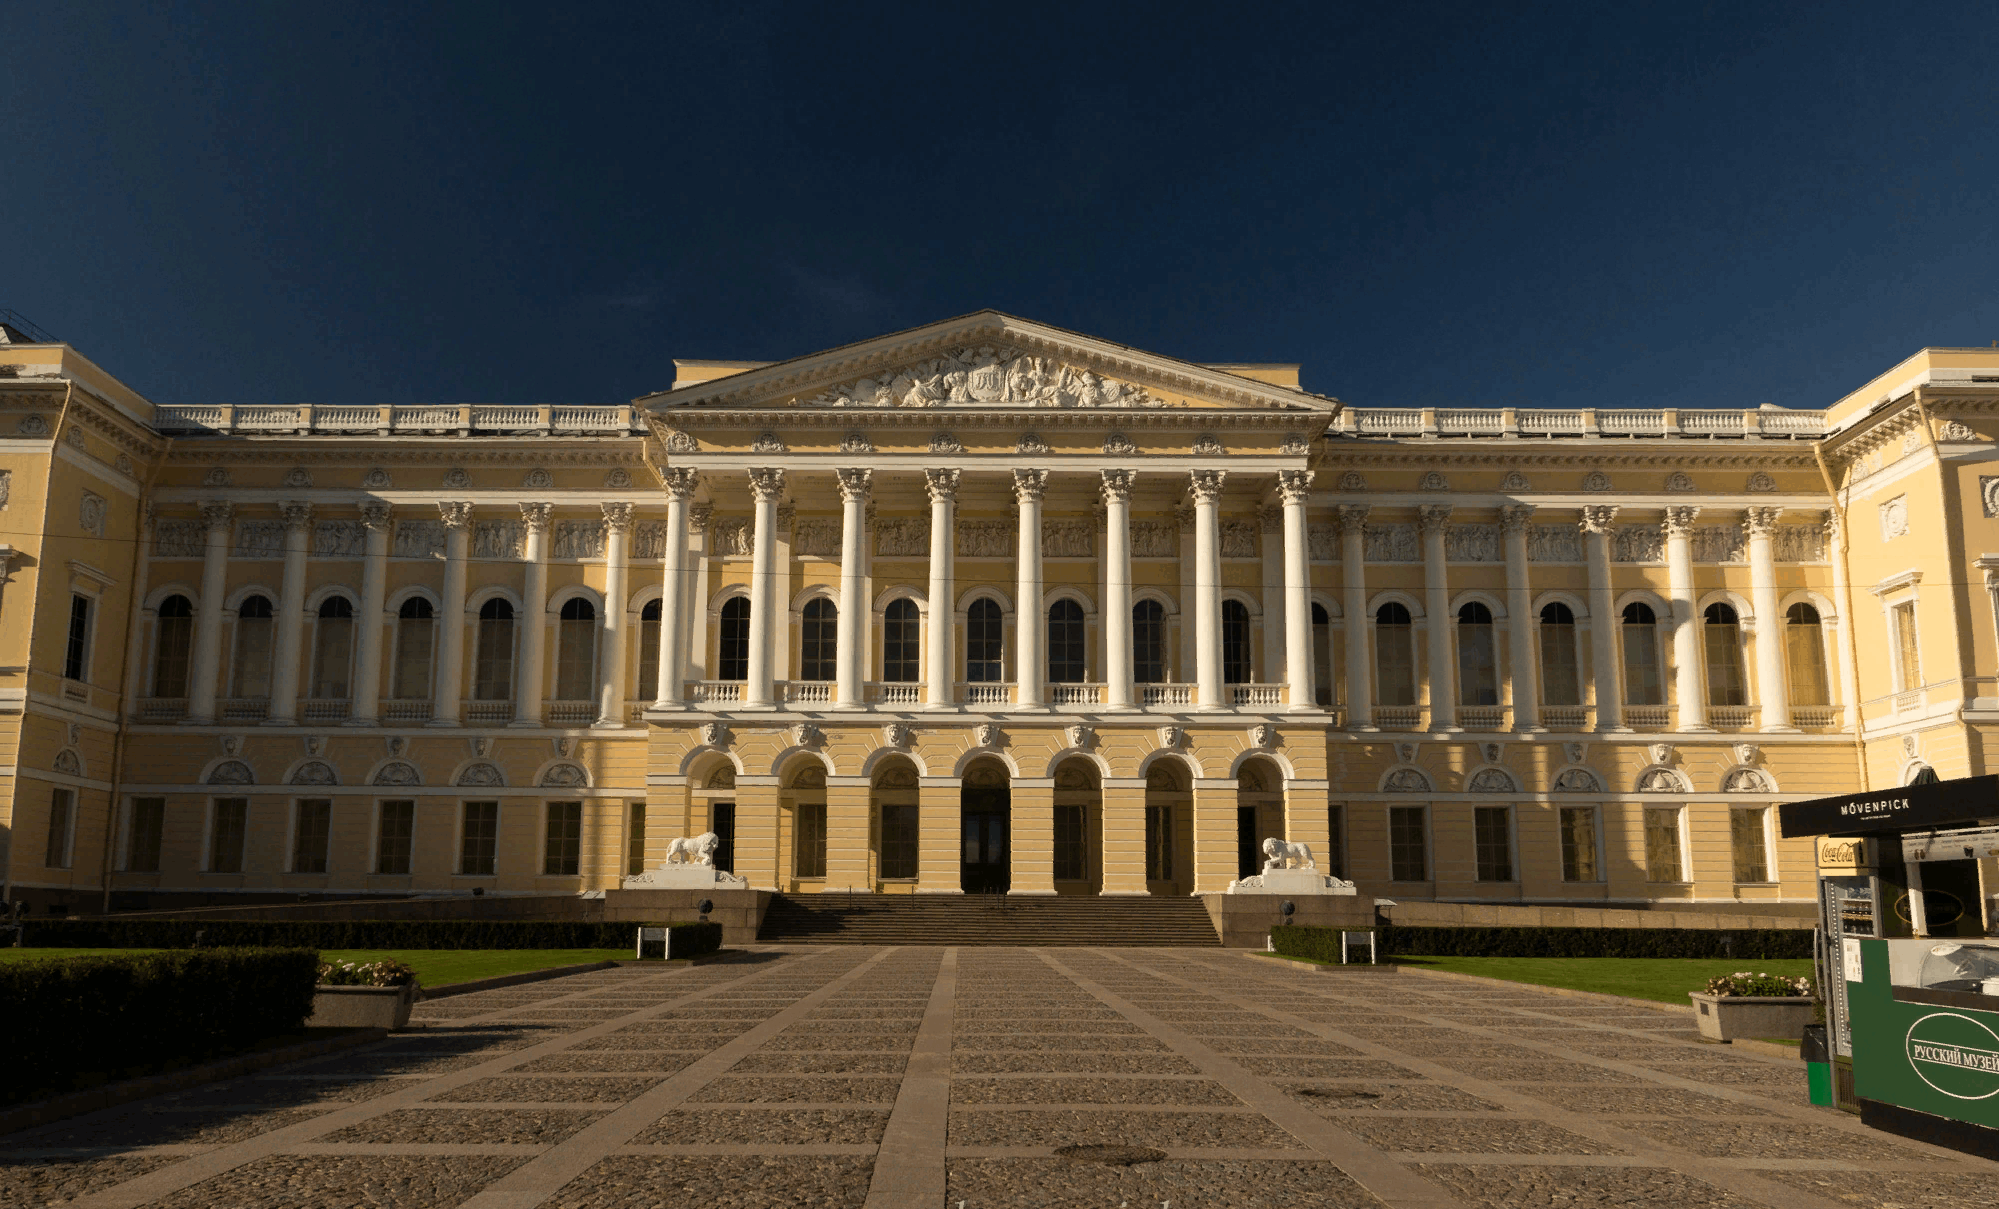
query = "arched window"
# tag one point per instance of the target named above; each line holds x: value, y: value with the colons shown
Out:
x: 983, y: 650
x: 1642, y: 683
x: 1148, y: 642
x: 819, y: 640
x: 1065, y: 642
x: 172, y: 635
x: 1235, y: 643
x: 1804, y: 650
x: 1322, y: 655
x: 252, y: 666
x: 1559, y: 683
x: 732, y: 656
x: 1721, y: 632
x: 649, y: 651
x: 493, y: 658
x: 1478, y: 677
x: 576, y: 651
x: 1394, y: 655
x: 416, y: 635
x: 1925, y: 775
x: 901, y: 638
x: 333, y: 649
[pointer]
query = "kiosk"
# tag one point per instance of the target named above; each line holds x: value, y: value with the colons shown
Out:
x: 1909, y: 955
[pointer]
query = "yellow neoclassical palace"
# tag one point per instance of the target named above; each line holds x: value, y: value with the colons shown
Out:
x: 982, y: 605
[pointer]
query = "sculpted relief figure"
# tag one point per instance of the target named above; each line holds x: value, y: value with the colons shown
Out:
x: 1554, y: 544
x: 903, y: 537
x: 1391, y: 544
x: 1638, y: 544
x: 985, y: 539
x: 1152, y: 539
x: 1471, y: 544
x: 988, y: 376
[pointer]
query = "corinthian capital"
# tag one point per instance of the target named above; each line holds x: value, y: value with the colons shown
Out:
x: 1432, y: 518
x: 618, y: 517
x: 1117, y: 486
x: 1030, y: 485
x: 1352, y: 518
x: 854, y: 484
x: 766, y: 483
x: 536, y: 516
x: 1293, y: 486
x: 1761, y: 522
x: 1680, y: 520
x: 297, y: 513
x: 456, y: 514
x: 1598, y: 518
x: 375, y: 514
x: 1514, y: 518
x: 943, y: 485
x: 1207, y: 485
x: 216, y: 513
x: 680, y: 481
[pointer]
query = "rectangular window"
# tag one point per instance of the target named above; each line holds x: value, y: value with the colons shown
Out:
x: 649, y: 653
x: 722, y: 821
x: 1662, y: 845
x: 1747, y: 829
x: 635, y: 833
x: 1159, y: 843
x: 479, y: 839
x: 62, y: 819
x: 1148, y: 643
x: 1070, y: 865
x: 900, y: 634
x: 1335, y: 862
x: 225, y: 837
x: 809, y: 845
x: 1492, y: 835
x: 309, y: 835
x: 899, y: 840
x: 1579, y: 844
x: 1642, y: 685
x: 395, y: 836
x: 1408, y: 845
x: 149, y: 824
x: 562, y: 849
x: 1561, y: 683
x: 76, y: 655
x: 1908, y: 662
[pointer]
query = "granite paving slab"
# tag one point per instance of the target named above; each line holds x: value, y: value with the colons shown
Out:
x: 1452, y: 1135
x: 1774, y: 1140
x: 514, y: 1089
x: 1070, y: 1063
x: 1029, y: 1042
x: 732, y: 1089
x: 1090, y: 1091
x: 1551, y: 1071
x: 840, y: 1042
x: 370, y: 1066
x: 1057, y: 1183
x: 854, y: 1028
x: 820, y: 1062
x: 489, y: 1126
x: 1079, y: 1127
x: 720, y: 1182
x: 1496, y: 1186
x: 293, y: 1181
x: 1327, y: 1098
x: 1902, y: 1189
x: 25, y: 1181
x: 767, y: 1127
x: 1047, y: 1024
x: 1651, y: 1102
x: 279, y: 1093
x: 651, y: 1061
x: 205, y: 1127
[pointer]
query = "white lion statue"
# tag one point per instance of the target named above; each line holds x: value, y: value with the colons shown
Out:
x: 694, y: 850
x: 1282, y: 854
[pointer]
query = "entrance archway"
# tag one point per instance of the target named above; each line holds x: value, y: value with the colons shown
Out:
x: 1259, y: 813
x: 895, y: 811
x: 1169, y: 829
x: 985, y: 808
x: 1079, y: 829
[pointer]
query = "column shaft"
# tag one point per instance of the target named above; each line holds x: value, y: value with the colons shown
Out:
x: 1437, y: 605
x: 1353, y: 584
x: 611, y: 635
x: 1030, y: 627
x: 766, y: 485
x: 1293, y: 486
x: 1117, y: 589
x: 450, y: 687
x: 205, y: 661
x: 287, y: 649
x: 1596, y: 524
x: 367, y: 698
x: 853, y: 588
x: 1772, y: 690
x: 1521, y: 623
x: 1209, y: 691
x: 943, y: 608
x: 534, y: 616
x: 668, y: 693
x: 1686, y: 626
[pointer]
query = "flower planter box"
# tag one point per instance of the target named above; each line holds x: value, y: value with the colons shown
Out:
x: 1729, y: 1017
x: 361, y: 1007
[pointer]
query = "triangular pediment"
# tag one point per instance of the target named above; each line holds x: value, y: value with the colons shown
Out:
x: 987, y: 361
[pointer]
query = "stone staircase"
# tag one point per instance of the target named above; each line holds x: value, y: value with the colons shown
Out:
x: 985, y: 919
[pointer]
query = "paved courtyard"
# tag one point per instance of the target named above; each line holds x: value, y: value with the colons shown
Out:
x: 935, y: 1078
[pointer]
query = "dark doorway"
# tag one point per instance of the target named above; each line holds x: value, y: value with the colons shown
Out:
x: 722, y: 821
x: 985, y: 808
x: 1248, y: 857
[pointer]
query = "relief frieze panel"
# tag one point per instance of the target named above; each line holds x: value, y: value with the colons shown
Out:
x: 1720, y: 544
x: 179, y: 539
x: 903, y: 537
x: 1155, y: 539
x: 498, y: 539
x: 1554, y: 544
x: 817, y: 536
x: 1471, y: 544
x: 1638, y: 544
x: 987, y: 376
x: 1391, y: 544
x: 1068, y: 539
x: 418, y: 539
x: 985, y: 539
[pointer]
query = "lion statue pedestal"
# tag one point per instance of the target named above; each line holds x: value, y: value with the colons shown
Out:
x: 689, y: 865
x: 1288, y: 869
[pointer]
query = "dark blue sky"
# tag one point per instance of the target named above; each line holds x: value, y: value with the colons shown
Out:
x: 1425, y: 204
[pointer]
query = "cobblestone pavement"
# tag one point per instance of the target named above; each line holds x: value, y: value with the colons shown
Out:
x: 925, y: 1078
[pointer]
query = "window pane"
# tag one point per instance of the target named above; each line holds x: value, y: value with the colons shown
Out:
x: 493, y: 664
x: 1579, y: 843
x: 1493, y: 836
x: 1560, y: 684
x: 722, y: 821
x: 635, y: 839
x: 1065, y: 642
x: 174, y: 632
x: 562, y: 849
x: 810, y: 842
x: 394, y: 836
x: 415, y: 635
x: 1642, y: 683
x: 333, y: 645
x: 479, y: 840
x: 1322, y: 656
x: 1159, y: 862
x: 1908, y: 665
x: 732, y: 659
x: 149, y: 821
x: 1804, y: 649
x: 1746, y: 833
x: 819, y: 641
x: 1235, y: 643
x: 648, y: 687
x: 1723, y: 639
x: 1335, y: 861
x: 1408, y: 846
x: 1394, y: 657
x: 309, y: 835
x: 898, y: 854
x: 982, y: 642
x: 1069, y: 848
x: 1478, y: 677
x: 225, y: 839
x: 62, y: 816
x: 900, y: 639
x: 79, y: 639
x: 1148, y: 642
x: 1662, y: 845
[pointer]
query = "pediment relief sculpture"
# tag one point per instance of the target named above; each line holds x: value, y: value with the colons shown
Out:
x: 986, y: 376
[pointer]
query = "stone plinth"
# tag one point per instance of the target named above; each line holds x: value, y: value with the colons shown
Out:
x: 1290, y: 881
x: 1243, y: 920
x: 740, y: 912
x: 684, y: 875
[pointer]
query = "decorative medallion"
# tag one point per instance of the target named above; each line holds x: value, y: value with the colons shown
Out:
x: 767, y: 442
x: 1596, y: 480
x: 538, y: 479
x: 1679, y: 480
x: 944, y: 442
x: 857, y: 442
x: 1294, y: 444
x: 1761, y: 481
x: 1119, y: 445
x: 1435, y: 481
x: 1515, y: 481
x: 1031, y: 443
x: 1353, y: 480
x: 618, y: 478
x: 376, y: 479
x: 456, y: 477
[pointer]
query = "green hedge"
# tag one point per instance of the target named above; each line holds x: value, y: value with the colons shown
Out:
x: 114, y: 933
x: 692, y: 940
x: 81, y: 1020
x: 1748, y: 944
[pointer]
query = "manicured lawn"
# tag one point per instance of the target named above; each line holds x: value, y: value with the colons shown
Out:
x: 12, y: 954
x: 442, y: 967
x: 1666, y: 979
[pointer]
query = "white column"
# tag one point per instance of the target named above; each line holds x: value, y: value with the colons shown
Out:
x: 1030, y: 625
x: 1208, y: 687
x: 450, y: 687
x: 1353, y: 584
x: 766, y: 484
x: 680, y: 485
x: 1603, y: 621
x: 1520, y: 620
x: 853, y: 620
x: 1117, y: 588
x: 943, y: 607
x: 372, y: 622
x: 1849, y: 690
x: 612, y: 631
x: 291, y: 615
x: 1433, y: 519
x: 1772, y: 691
x: 533, y: 623
x: 205, y: 662
x: 695, y: 656
x: 1294, y: 487
x: 1686, y: 626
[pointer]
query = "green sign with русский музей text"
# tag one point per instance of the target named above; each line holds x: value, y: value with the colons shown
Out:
x: 1942, y: 1060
